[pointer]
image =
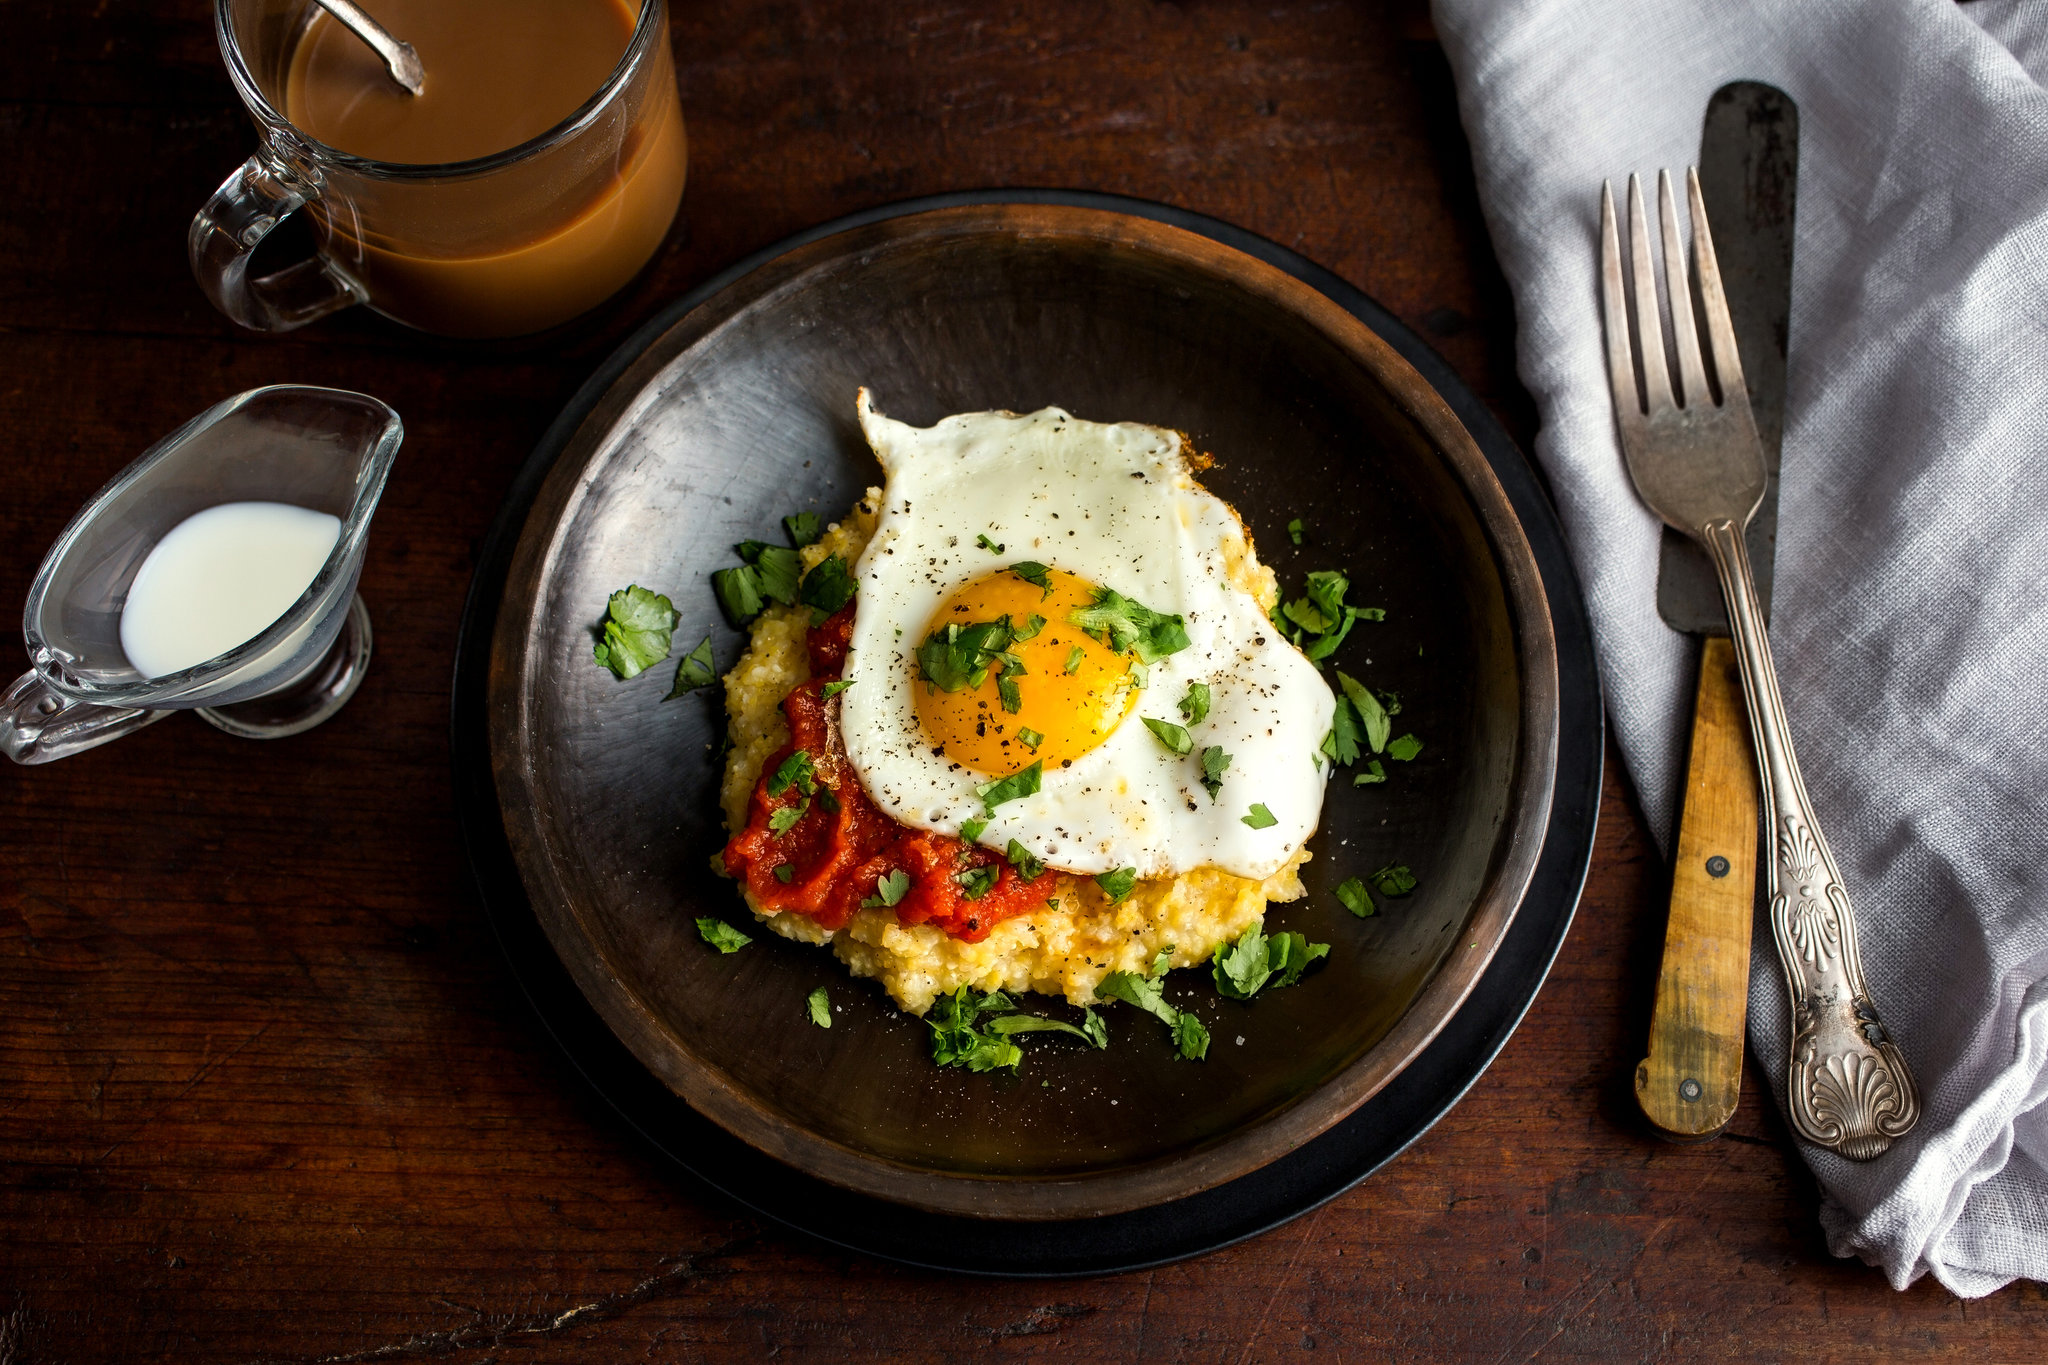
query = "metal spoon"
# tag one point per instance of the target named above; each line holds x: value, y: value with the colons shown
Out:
x: 399, y: 58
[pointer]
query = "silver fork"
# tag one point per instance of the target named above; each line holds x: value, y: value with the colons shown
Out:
x: 1696, y: 463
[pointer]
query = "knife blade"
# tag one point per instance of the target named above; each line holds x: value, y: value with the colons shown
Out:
x: 1688, y: 1084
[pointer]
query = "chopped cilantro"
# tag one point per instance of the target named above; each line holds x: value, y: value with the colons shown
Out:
x: 1074, y: 658
x: 1404, y: 748
x: 1162, y: 961
x: 1006, y: 688
x: 803, y: 528
x: 985, y: 543
x: 1372, y: 715
x: 1145, y: 992
x: 1240, y: 967
x: 828, y: 800
x: 637, y: 628
x: 1020, y: 858
x: 721, y: 935
x: 697, y: 669
x: 1033, y: 624
x: 1194, y: 707
x: 1352, y: 894
x: 1011, y: 788
x: 796, y: 771
x: 1191, y: 1037
x: 1030, y: 738
x: 1289, y: 955
x: 976, y: 882
x: 1374, y: 772
x: 1305, y: 613
x: 1341, y: 744
x: 957, y: 1042
x: 785, y: 873
x: 970, y: 830
x: 1092, y: 1029
x: 1260, y: 817
x: 1128, y: 626
x: 739, y: 592
x: 1172, y: 736
x: 956, y: 656
x: 1034, y: 573
x: 785, y: 819
x: 1135, y: 677
x: 1294, y: 530
x: 826, y: 588
x: 834, y: 688
x: 776, y: 568
x: 1214, y: 762
x: 1394, y: 880
x: 819, y: 1008
x: 1117, y: 885
x: 889, y: 890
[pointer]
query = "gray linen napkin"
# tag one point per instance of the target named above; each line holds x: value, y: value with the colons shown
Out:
x: 1910, y: 620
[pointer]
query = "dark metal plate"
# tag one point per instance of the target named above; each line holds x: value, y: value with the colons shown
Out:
x: 1233, y: 1209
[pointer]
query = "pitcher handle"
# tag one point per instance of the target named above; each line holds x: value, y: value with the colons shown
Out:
x: 39, y: 726
x: 248, y: 206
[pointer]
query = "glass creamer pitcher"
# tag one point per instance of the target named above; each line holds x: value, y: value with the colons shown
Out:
x: 323, y: 449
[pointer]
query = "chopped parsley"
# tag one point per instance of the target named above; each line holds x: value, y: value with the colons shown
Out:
x: 889, y: 890
x: 721, y: 935
x: 826, y: 588
x: 1074, y: 658
x: 1174, y: 738
x: 1117, y: 885
x: 976, y: 882
x: 1214, y: 762
x: 833, y: 688
x: 1294, y: 530
x: 1394, y: 880
x: 1403, y: 749
x: 803, y: 528
x: 1030, y: 738
x: 1260, y: 817
x: 1028, y: 867
x: 1128, y: 626
x: 1011, y: 788
x: 985, y: 543
x: 697, y: 669
x: 1034, y: 573
x: 637, y: 628
x: 796, y: 771
x: 1194, y: 707
x: 1351, y: 893
x: 819, y: 1008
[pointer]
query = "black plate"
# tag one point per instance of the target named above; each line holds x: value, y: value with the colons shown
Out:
x: 1313, y: 1173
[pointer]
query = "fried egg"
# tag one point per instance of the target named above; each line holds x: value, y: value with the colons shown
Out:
x: 1040, y: 587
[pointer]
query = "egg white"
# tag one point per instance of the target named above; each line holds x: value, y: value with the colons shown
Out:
x: 1116, y: 504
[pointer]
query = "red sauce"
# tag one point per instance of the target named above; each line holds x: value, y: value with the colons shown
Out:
x: 842, y: 845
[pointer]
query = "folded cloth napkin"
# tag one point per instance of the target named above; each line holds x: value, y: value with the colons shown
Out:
x: 1910, y: 620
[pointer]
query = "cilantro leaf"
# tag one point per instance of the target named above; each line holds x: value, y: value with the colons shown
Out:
x: 957, y: 1042
x: 1032, y: 1023
x: 1030, y: 738
x: 1011, y: 788
x: 1404, y: 748
x: 1294, y: 530
x: 827, y: 587
x: 1194, y: 707
x: 819, y: 1008
x: 976, y: 882
x: 739, y: 593
x: 985, y: 543
x: 1341, y: 744
x: 1370, y: 712
x: 1174, y: 738
x: 1142, y: 991
x: 796, y: 771
x: 1007, y: 689
x: 1289, y: 955
x: 1394, y: 880
x: 970, y: 830
x: 1352, y: 894
x: 1034, y: 573
x: 1162, y: 961
x: 1128, y: 626
x: 1191, y: 1037
x: 1310, y: 617
x: 956, y: 656
x: 834, y: 688
x: 1326, y: 588
x: 1374, y: 772
x: 1074, y: 658
x: 1260, y: 817
x: 696, y: 669
x: 784, y: 820
x: 1240, y: 967
x: 1028, y: 867
x: 1214, y: 761
x: 889, y: 890
x: 1117, y: 885
x: 1093, y: 1029
x: 637, y: 627
x: 777, y: 569
x: 721, y: 935
x: 803, y: 528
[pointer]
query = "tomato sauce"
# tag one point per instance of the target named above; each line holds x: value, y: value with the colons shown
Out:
x: 837, y: 849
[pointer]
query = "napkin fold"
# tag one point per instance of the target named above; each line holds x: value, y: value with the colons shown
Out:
x: 1910, y: 618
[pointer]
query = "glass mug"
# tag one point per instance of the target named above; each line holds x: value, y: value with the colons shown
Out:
x: 325, y: 449
x: 495, y: 246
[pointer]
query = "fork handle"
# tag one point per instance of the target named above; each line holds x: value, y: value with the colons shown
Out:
x: 1849, y: 1090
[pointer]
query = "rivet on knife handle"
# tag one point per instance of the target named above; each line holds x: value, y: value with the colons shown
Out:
x: 1689, y: 1083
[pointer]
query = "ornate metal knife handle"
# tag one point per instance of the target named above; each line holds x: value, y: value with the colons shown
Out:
x: 1850, y: 1089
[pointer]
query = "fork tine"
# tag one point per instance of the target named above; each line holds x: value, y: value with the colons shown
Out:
x: 1692, y: 379
x: 1621, y: 367
x: 1713, y: 298
x: 1649, y: 330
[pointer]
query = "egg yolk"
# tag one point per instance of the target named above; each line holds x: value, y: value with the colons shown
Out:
x: 1071, y: 692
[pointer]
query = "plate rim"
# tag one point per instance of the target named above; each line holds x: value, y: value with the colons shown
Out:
x: 1469, y: 418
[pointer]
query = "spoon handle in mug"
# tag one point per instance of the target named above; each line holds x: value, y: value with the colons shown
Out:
x: 39, y: 726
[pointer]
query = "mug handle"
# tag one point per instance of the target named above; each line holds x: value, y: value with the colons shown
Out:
x: 39, y: 726
x: 262, y: 193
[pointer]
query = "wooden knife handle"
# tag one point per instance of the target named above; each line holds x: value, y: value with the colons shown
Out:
x: 1688, y: 1084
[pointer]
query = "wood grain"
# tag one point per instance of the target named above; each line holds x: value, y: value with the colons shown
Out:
x: 1690, y: 1082
x: 272, y: 1095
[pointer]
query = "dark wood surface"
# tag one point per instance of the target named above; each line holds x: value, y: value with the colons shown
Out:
x: 267, y: 1090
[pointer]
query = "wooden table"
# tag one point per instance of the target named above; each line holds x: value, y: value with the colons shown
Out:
x: 267, y: 1089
